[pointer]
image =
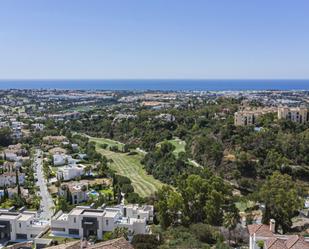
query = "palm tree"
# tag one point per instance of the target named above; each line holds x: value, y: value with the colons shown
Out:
x: 88, y: 169
x: 230, y: 220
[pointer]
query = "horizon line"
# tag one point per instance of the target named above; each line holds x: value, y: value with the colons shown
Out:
x: 171, y: 79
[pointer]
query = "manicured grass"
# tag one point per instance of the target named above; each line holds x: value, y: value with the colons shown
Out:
x: 107, y: 141
x: 129, y: 166
x: 178, y: 143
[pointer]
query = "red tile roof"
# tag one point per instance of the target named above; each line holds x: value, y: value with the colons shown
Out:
x: 260, y: 230
x: 296, y: 242
x: 275, y: 243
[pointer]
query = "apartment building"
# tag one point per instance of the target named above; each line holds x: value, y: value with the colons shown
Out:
x: 295, y: 114
x: 20, y: 225
x: 83, y: 222
x: 249, y: 116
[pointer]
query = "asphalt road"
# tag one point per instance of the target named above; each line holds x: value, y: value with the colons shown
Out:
x: 47, y: 204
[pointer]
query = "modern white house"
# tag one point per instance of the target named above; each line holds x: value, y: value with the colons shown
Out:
x: 70, y: 171
x: 20, y: 225
x: 61, y: 159
x: 58, y: 160
x: 83, y: 221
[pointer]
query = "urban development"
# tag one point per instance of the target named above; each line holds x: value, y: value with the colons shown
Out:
x: 154, y: 169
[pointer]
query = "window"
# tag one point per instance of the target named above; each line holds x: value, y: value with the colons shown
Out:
x: 19, y: 225
x: 74, y: 220
x: 106, y: 222
x: 58, y: 229
x: 73, y: 231
x: 21, y: 236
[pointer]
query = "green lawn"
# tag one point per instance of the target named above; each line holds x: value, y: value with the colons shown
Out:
x: 178, y: 143
x: 129, y: 166
x: 107, y: 141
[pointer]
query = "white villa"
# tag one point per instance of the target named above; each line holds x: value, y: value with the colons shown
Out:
x: 84, y: 221
x: 61, y: 159
x: 70, y: 171
x: 20, y: 225
x: 78, y: 192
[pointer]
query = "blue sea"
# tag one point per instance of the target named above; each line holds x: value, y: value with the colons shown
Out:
x: 161, y: 84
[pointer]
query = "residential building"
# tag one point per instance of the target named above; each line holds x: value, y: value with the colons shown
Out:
x: 17, y: 129
x: 61, y: 159
x: 10, y: 156
x: 295, y: 114
x: 265, y: 235
x: 70, y: 171
x: 166, y: 117
x: 38, y: 127
x: 249, y: 117
x: 78, y: 192
x: 8, y: 179
x: 4, y: 124
x: 83, y: 222
x: 20, y: 225
x: 65, y: 116
x: 58, y: 160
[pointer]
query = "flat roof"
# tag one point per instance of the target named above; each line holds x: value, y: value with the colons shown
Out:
x: 76, y: 211
x: 25, y: 217
x: 91, y: 213
x: 110, y: 213
x: 9, y: 216
x: 63, y: 217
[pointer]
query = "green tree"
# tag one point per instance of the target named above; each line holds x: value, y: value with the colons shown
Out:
x: 170, y: 206
x: 120, y: 232
x: 5, y: 137
x: 145, y: 241
x: 62, y: 204
x: 206, y: 150
x: 274, y: 161
x: 204, y: 197
x: 281, y: 198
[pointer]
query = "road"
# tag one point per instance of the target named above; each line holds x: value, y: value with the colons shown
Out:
x: 47, y: 204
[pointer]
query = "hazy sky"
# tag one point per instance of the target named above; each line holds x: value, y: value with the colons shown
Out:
x: 154, y: 39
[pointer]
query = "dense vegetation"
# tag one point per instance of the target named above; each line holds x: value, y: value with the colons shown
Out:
x: 218, y: 158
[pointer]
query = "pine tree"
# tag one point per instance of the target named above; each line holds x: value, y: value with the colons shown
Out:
x: 17, y: 183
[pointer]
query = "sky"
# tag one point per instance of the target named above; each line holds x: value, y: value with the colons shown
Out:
x: 144, y: 39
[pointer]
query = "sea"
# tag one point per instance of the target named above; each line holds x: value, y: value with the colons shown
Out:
x: 159, y: 84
